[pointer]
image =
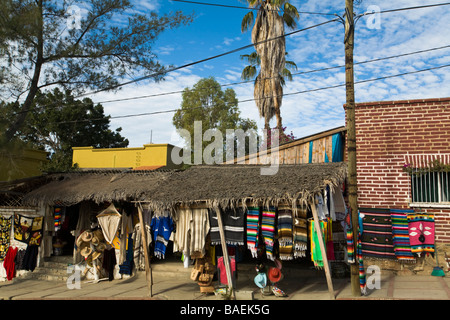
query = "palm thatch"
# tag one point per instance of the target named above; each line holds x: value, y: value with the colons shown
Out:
x: 97, y: 186
x: 222, y: 186
x: 238, y: 185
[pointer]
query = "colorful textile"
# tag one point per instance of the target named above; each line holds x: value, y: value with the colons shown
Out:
x: 376, y: 239
x: 349, y: 238
x: 329, y: 240
x: 285, y: 233
x: 36, y: 232
x: 362, y: 272
x: 421, y: 233
x: 233, y: 224
x: 253, y: 230
x: 316, y: 253
x: 402, y: 246
x: 5, y: 234
x: 300, y: 233
x: 22, y: 228
x: 9, y: 263
x: 268, y: 230
x: 162, y: 227
x: 57, y: 216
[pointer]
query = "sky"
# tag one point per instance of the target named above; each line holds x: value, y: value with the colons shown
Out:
x: 305, y: 110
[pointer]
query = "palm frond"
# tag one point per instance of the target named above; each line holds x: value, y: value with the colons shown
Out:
x: 247, y: 21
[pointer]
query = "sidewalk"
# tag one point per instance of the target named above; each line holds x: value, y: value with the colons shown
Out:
x: 306, y: 286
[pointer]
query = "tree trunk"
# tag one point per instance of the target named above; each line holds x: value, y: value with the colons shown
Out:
x: 34, y: 85
x: 351, y: 137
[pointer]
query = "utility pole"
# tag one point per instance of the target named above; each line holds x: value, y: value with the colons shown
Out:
x: 351, y: 136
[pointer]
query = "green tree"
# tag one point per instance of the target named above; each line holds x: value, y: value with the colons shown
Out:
x: 269, y: 23
x: 45, y: 43
x: 216, y: 110
x: 57, y: 122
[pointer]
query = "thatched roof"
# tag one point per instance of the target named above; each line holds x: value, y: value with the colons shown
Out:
x: 98, y: 186
x: 232, y: 185
x: 221, y: 185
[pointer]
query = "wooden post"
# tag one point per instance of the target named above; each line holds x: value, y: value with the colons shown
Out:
x: 351, y: 135
x: 322, y: 250
x: 148, y: 267
x: 225, y: 251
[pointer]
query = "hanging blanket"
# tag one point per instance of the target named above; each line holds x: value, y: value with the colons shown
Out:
x: 300, y: 233
x: 350, y: 239
x: 421, y: 233
x: 22, y: 228
x: 109, y: 221
x: 376, y: 239
x: 362, y: 272
x: 5, y: 233
x: 233, y: 224
x: 285, y: 233
x: 268, y: 230
x: 402, y: 246
x: 162, y: 227
x: 316, y: 253
x: 198, y: 232
x: 252, y: 230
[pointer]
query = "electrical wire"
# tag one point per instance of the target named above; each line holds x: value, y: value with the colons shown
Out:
x: 248, y: 100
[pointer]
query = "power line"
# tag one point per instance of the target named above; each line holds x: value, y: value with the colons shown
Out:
x: 246, y: 8
x: 248, y: 100
x: 294, y: 74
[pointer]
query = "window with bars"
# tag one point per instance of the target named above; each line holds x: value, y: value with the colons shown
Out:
x: 430, y: 183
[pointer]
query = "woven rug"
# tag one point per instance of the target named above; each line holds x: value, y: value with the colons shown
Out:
x: 252, y: 230
x: 376, y: 239
x: 421, y: 233
x: 400, y: 235
x: 285, y: 233
x: 233, y: 225
x: 268, y: 230
x: 300, y: 233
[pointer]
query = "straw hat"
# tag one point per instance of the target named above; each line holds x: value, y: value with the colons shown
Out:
x: 86, y: 251
x: 97, y: 236
x: 261, y: 280
x: 100, y: 247
x: 95, y: 255
x: 86, y: 236
x: 274, y: 274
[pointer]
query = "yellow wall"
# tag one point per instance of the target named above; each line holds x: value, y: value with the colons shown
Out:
x: 148, y: 155
x: 21, y: 164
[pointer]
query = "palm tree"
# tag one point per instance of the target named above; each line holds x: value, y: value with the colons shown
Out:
x: 268, y: 25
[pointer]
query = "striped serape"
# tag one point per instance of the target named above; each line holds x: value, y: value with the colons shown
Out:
x: 285, y: 234
x: 376, y: 239
x: 421, y: 233
x: 300, y: 230
x: 268, y: 230
x: 350, y: 239
x: 402, y: 245
x: 362, y: 272
x: 233, y: 225
x: 252, y: 230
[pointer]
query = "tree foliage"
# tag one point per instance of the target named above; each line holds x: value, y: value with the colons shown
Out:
x: 78, y: 45
x: 57, y: 122
x: 215, y: 108
x: 270, y: 45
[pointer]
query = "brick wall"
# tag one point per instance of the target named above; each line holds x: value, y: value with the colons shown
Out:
x: 388, y: 131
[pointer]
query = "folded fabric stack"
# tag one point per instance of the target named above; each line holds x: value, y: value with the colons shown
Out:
x: 421, y: 232
x: 402, y: 245
x: 285, y: 232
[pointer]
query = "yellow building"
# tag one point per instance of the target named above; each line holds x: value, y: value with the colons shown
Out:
x: 21, y: 163
x: 150, y: 156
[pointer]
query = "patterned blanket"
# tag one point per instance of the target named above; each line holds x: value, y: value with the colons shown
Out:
x: 376, y: 239
x: 421, y: 233
x: 285, y: 233
x: 300, y: 233
x: 233, y: 225
x: 401, y: 242
x: 253, y: 230
x: 268, y: 230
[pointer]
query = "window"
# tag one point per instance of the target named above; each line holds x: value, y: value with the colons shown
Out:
x: 430, y: 181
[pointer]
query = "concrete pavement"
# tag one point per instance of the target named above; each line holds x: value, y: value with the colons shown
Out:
x: 305, y: 285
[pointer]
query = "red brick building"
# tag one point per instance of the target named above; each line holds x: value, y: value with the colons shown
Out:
x: 409, y: 134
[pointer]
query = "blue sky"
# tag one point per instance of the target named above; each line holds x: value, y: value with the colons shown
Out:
x: 216, y: 30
